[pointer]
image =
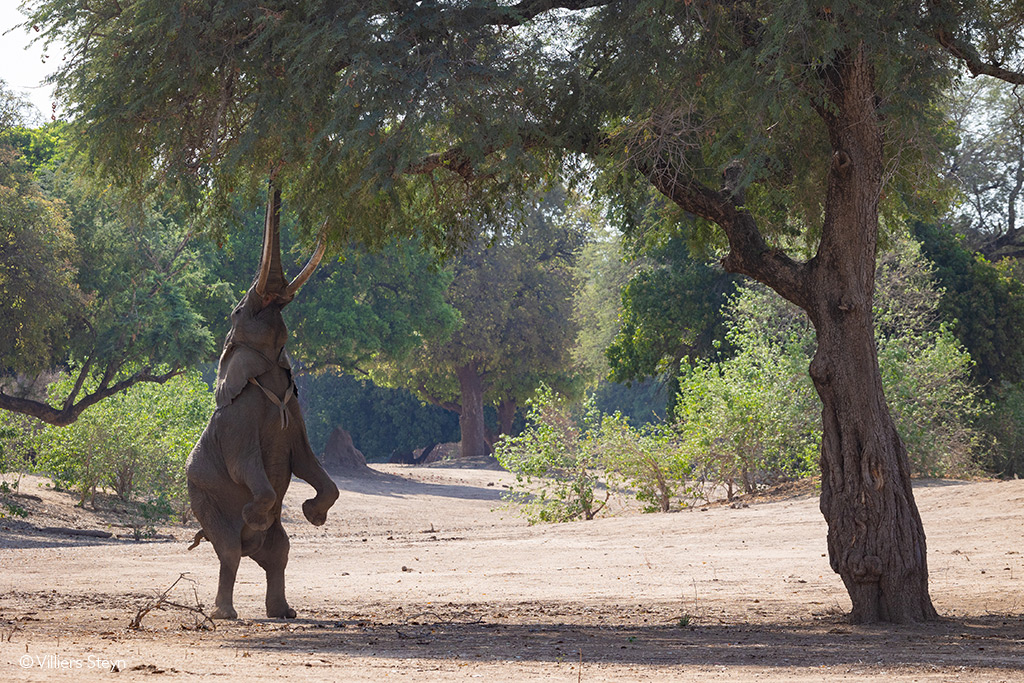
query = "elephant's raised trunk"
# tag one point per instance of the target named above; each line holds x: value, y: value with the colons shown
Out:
x: 271, y: 276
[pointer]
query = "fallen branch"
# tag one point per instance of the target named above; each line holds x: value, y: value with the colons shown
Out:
x: 161, y: 602
x: 92, y: 533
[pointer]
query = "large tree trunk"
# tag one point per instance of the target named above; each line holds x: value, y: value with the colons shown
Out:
x: 876, y: 541
x: 471, y: 417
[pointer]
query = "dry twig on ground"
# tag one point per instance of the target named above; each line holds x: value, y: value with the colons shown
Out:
x: 205, y: 623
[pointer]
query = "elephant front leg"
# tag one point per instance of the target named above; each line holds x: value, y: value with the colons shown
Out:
x: 257, y: 513
x: 305, y: 466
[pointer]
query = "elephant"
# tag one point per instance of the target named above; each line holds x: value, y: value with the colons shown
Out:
x: 256, y: 440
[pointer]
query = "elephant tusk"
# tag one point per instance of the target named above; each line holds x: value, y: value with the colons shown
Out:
x: 314, y: 261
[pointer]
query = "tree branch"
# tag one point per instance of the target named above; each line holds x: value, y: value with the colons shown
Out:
x: 70, y: 400
x: 458, y: 161
x: 71, y: 410
x: 963, y: 50
x: 516, y: 15
x: 434, y: 400
x: 455, y: 160
x: 748, y: 252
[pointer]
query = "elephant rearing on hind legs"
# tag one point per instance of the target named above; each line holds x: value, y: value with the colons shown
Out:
x: 239, y: 470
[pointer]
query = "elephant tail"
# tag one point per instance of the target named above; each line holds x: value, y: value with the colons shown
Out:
x: 197, y: 539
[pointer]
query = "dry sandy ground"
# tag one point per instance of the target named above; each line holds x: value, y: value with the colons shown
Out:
x: 422, y: 574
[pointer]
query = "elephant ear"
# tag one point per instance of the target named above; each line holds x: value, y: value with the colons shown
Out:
x: 237, y: 365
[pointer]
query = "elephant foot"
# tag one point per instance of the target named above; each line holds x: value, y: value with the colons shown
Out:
x: 256, y: 519
x: 315, y: 516
x: 224, y: 613
x: 281, y: 613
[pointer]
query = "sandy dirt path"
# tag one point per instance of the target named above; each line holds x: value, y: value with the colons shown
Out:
x: 423, y: 574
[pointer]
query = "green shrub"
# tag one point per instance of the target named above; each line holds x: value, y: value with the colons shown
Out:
x: 555, y: 462
x: 563, y: 460
x: 1004, y: 423
x: 754, y: 418
x: 134, y: 443
x: 647, y: 460
x: 750, y: 421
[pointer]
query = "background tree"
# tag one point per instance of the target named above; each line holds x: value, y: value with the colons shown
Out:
x: 987, y: 166
x: 92, y: 284
x: 513, y: 289
x: 39, y: 260
x: 671, y: 310
x: 372, y: 306
x: 601, y: 271
x: 983, y: 304
x: 781, y: 126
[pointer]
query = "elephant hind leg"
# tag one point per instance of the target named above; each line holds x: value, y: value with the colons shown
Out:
x: 224, y: 533
x: 273, y: 558
x: 228, y: 547
x: 224, y: 603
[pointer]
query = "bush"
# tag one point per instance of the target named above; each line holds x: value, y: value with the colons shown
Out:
x: 755, y: 418
x: 1004, y: 422
x: 555, y: 462
x: 561, y: 460
x: 135, y: 443
x: 750, y: 421
x: 647, y: 460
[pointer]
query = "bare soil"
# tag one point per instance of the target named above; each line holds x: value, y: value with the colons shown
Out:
x: 424, y: 574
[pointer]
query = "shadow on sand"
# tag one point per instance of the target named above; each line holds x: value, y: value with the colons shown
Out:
x: 987, y: 642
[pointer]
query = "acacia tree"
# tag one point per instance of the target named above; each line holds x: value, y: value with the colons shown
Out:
x: 778, y: 124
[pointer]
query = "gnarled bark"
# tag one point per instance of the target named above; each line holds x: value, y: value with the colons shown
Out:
x: 876, y: 541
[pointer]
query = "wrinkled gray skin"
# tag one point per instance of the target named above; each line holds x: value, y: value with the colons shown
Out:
x: 241, y: 466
